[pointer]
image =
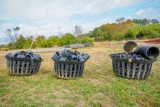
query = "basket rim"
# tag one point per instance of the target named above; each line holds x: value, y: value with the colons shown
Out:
x: 22, y: 59
x: 134, y: 60
x: 69, y: 62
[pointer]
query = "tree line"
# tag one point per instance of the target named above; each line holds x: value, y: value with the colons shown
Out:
x: 41, y: 41
x: 120, y: 30
x: 126, y: 29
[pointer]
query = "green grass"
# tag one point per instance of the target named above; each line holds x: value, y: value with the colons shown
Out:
x: 98, y: 87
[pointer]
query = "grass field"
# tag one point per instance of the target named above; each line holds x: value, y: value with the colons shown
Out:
x: 98, y: 87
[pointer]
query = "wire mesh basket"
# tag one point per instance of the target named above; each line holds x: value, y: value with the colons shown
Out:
x: 68, y: 70
x: 136, y: 69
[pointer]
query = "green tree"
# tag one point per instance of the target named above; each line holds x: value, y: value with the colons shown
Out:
x: 106, y: 36
x: 28, y: 42
x: 149, y: 33
x: 130, y: 34
x: 145, y: 22
x: 11, y: 46
x: 93, y: 33
x: 155, y: 27
x: 100, y: 36
x: 44, y: 43
x: 39, y: 40
x: 68, y: 39
x: 103, y: 27
x: 155, y: 21
x: 87, y: 39
x: 133, y: 33
x: 20, y: 42
x: 53, y: 40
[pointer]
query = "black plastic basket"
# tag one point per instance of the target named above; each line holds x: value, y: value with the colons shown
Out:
x: 69, y: 70
x: 136, y: 69
x: 22, y: 66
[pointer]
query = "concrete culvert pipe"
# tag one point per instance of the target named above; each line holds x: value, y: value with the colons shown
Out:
x: 150, y: 52
x: 131, y: 47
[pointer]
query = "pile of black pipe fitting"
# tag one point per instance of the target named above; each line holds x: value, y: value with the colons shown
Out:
x: 24, y: 55
x: 67, y: 55
x: 136, y: 52
x: 128, y: 56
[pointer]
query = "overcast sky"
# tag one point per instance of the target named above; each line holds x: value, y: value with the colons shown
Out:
x: 62, y: 15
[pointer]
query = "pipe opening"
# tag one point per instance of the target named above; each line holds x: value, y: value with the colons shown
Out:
x: 153, y: 52
x: 131, y: 47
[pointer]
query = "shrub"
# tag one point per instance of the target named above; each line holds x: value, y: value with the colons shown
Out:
x: 132, y: 32
x: 149, y: 33
x: 44, y: 43
x: 129, y: 34
x: 87, y: 39
x: 68, y: 39
x: 53, y: 40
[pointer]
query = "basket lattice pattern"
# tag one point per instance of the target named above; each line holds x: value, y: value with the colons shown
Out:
x: 20, y: 67
x: 135, y: 70
x: 68, y: 70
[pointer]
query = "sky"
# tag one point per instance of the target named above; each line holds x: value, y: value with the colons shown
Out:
x: 53, y: 16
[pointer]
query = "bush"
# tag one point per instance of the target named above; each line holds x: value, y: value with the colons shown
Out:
x: 68, y: 39
x: 11, y: 46
x: 53, y: 40
x: 28, y: 43
x: 87, y: 39
x: 132, y: 32
x: 149, y: 33
x: 44, y: 43
x: 129, y: 35
x: 155, y: 27
x: 20, y: 42
x: 108, y: 37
